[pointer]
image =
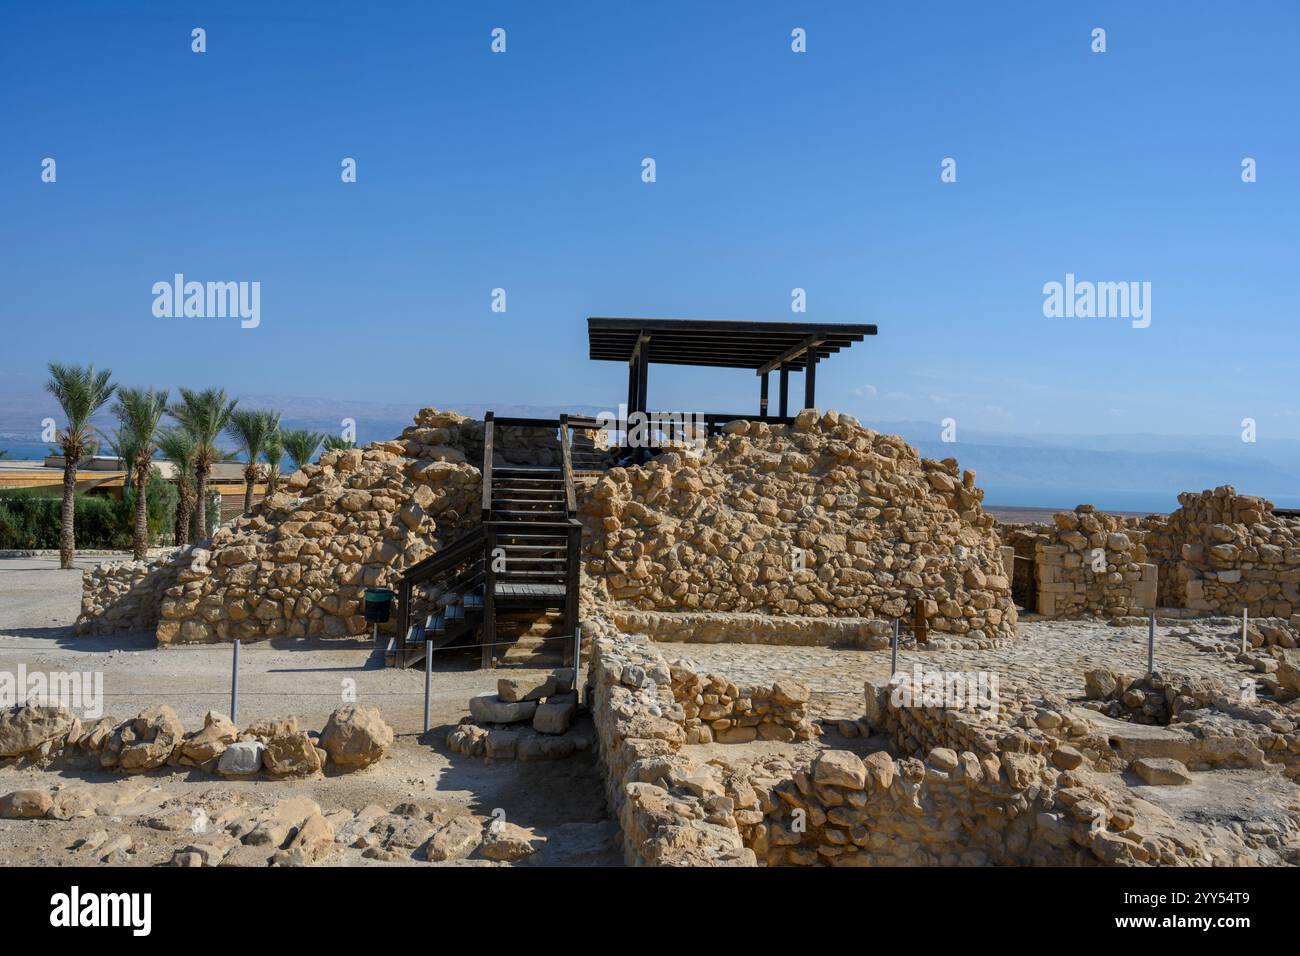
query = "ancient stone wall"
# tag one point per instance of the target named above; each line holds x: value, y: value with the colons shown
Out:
x: 702, y: 627
x: 512, y: 445
x: 1222, y: 552
x: 717, y: 709
x: 1093, y: 563
x: 965, y: 789
x: 298, y: 564
x: 123, y: 596
x: 823, y: 518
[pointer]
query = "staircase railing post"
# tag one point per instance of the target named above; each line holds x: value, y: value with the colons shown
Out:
x: 489, y: 596
x: 577, y: 663
x: 572, y: 572
x: 489, y: 428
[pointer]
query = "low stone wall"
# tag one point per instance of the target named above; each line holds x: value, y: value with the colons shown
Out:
x: 353, y: 737
x: 124, y: 595
x: 639, y: 726
x: 1222, y: 552
x: 717, y: 710
x: 1092, y: 563
x: 740, y: 628
x: 966, y: 790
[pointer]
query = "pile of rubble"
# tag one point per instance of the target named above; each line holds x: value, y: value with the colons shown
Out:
x: 154, y: 827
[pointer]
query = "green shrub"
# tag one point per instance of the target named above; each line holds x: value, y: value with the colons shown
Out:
x: 32, y: 518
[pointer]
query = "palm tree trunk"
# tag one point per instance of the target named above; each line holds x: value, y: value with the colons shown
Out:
x: 184, y: 508
x: 141, y: 514
x: 272, y: 481
x: 250, y: 475
x: 201, y: 506
x: 67, y: 537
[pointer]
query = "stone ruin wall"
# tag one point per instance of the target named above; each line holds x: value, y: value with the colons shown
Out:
x: 123, y: 596
x: 298, y: 564
x: 1221, y: 552
x: 1093, y: 563
x: 879, y: 531
x: 1015, y: 790
x: 1218, y: 553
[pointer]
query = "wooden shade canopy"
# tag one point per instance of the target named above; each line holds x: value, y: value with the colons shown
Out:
x: 763, y: 346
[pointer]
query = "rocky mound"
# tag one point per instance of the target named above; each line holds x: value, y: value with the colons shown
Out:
x: 821, y: 518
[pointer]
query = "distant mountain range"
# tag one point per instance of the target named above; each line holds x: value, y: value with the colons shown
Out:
x: 1112, y: 471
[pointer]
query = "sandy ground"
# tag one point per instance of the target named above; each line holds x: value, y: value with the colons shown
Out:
x: 560, y: 800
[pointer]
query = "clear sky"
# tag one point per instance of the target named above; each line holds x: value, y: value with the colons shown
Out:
x: 775, y: 170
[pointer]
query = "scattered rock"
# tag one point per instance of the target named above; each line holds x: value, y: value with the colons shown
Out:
x: 507, y: 843
x: 1162, y: 771
x: 356, y: 736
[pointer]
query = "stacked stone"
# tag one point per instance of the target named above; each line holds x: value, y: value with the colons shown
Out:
x: 1224, y: 552
x: 1225, y: 727
x: 529, y: 718
x: 1093, y: 564
x: 716, y: 709
x: 511, y: 445
x: 124, y: 595
x: 299, y: 564
x: 671, y: 813
x: 823, y: 518
x: 353, y: 737
x: 691, y: 627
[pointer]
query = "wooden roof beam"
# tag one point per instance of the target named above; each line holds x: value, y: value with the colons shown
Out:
x: 791, y: 354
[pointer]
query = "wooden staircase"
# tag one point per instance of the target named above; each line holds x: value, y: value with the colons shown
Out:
x: 524, y: 556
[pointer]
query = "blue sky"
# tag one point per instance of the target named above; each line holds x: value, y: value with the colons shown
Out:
x: 775, y: 170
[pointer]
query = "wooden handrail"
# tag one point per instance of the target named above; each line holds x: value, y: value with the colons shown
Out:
x: 463, y: 547
x: 566, y: 458
x: 489, y: 424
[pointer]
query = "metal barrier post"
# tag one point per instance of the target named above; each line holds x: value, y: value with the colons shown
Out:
x: 428, y: 680
x: 893, y: 650
x: 1151, y: 645
x: 234, y: 685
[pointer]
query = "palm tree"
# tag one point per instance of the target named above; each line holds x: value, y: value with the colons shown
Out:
x: 251, y: 430
x: 122, y: 445
x: 273, y: 454
x: 205, y: 416
x: 80, y: 392
x: 300, y: 445
x: 139, y: 412
x: 336, y: 443
x: 177, y: 445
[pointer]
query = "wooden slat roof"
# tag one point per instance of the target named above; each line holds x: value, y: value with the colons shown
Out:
x: 717, y: 344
